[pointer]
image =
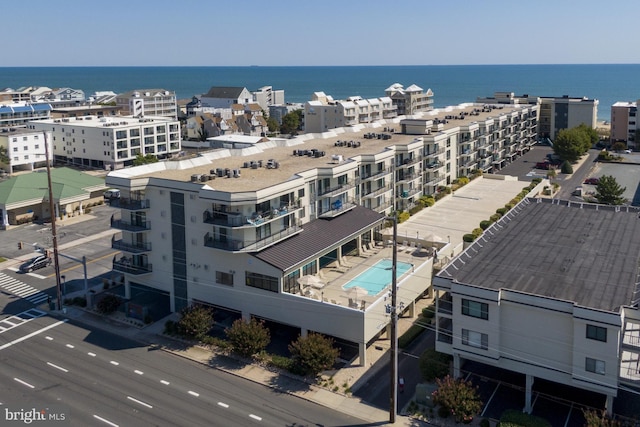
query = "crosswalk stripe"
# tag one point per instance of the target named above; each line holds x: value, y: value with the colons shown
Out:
x: 39, y: 298
x: 31, y: 294
x: 17, y: 287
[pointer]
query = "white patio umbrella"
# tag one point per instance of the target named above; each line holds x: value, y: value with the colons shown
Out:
x: 433, y: 238
x: 312, y: 281
x: 357, y: 292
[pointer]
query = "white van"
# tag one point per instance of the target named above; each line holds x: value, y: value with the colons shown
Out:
x: 112, y: 193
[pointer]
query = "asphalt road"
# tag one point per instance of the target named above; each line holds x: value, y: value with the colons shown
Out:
x: 97, y: 378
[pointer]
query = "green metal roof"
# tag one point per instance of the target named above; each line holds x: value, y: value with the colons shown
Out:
x: 66, y: 183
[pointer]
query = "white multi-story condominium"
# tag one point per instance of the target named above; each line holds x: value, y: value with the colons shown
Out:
x: 24, y: 149
x: 148, y: 102
x: 411, y: 100
x: 624, y: 123
x: 19, y: 114
x: 110, y: 142
x: 279, y: 111
x: 555, y: 113
x: 225, y: 97
x: 236, y: 228
x: 323, y: 113
x: 550, y: 291
x: 42, y: 94
x: 265, y: 97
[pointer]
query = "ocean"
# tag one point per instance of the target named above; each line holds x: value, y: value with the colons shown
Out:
x: 452, y: 85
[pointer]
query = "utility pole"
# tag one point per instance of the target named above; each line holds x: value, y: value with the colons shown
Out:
x: 54, y: 237
x: 393, y: 381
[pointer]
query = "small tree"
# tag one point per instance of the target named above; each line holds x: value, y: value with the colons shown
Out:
x: 459, y: 397
x: 618, y: 147
x: 594, y: 418
x: 313, y: 354
x: 570, y: 144
x: 609, y: 192
x: 433, y: 364
x: 566, y: 168
x: 195, y: 321
x: 108, y: 304
x: 272, y: 124
x: 143, y: 160
x: 248, y: 338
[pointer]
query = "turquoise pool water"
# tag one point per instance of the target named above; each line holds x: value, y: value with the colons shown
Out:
x: 378, y: 276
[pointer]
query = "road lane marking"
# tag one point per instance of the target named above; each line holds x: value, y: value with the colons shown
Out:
x: 193, y: 393
x: 113, y: 362
x: 224, y: 405
x: 105, y: 421
x: 91, y: 354
x: 164, y: 382
x: 255, y: 417
x: 139, y: 372
x: 48, y: 338
x: 70, y: 345
x: 139, y: 402
x: 57, y: 367
x: 32, y: 334
x: 24, y: 383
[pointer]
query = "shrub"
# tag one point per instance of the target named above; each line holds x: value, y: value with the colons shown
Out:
x: 518, y: 418
x: 108, y: 304
x: 429, y: 201
x: 215, y: 341
x: 169, y: 327
x: 536, y: 181
x: 566, y: 167
x: 477, y: 232
x: 403, y: 216
x: 458, y: 396
x: 485, y: 224
x: 495, y: 217
x: 312, y: 354
x: 414, y: 210
x: 248, y: 338
x: 502, y: 211
x: 195, y: 321
x: 280, y: 362
x: 433, y: 364
x: 468, y: 238
x: 485, y: 423
x: 463, y: 180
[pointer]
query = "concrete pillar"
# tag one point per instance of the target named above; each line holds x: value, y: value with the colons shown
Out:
x: 81, y: 209
x: 127, y: 289
x: 362, y: 353
x: 5, y: 217
x: 527, y: 394
x: 456, y: 365
x: 609, y: 405
x: 304, y: 332
x: 246, y: 316
x: 412, y: 309
x: 339, y: 254
x: 387, y: 331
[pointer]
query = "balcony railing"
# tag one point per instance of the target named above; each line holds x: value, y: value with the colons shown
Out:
x: 336, y: 209
x: 134, y: 248
x: 407, y: 162
x: 435, y: 165
x: 434, y: 180
x: 375, y: 175
x: 130, y: 204
x: 407, y: 177
x: 235, y: 219
x: 435, y: 153
x: 377, y: 192
x: 125, y: 265
x: 405, y: 194
x: 236, y: 245
x: 136, y: 226
x: 341, y: 188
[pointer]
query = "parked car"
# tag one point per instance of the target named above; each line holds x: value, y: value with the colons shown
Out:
x: 543, y: 165
x: 40, y: 261
x: 628, y: 151
x: 111, y: 194
x: 592, y: 181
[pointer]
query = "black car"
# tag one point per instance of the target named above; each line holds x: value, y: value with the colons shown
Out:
x: 40, y: 261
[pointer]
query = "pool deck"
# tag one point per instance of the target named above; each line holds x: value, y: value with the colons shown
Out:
x: 336, y: 276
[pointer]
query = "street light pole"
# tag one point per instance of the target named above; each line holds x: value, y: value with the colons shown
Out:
x: 54, y: 237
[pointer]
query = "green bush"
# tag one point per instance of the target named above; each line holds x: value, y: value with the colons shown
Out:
x: 312, y: 354
x: 512, y: 417
x: 477, y: 232
x: 485, y: 423
x: 509, y: 206
x: 195, y: 321
x: 108, y: 304
x: 215, y: 341
x: 403, y: 216
x: 433, y: 364
x: 411, y: 334
x: 495, y: 217
x: 468, y: 238
x: 170, y: 327
x: 414, y: 210
x: 566, y: 167
x: 502, y: 211
x: 280, y: 362
x: 248, y: 338
x: 463, y: 180
x: 536, y: 181
x: 485, y: 224
x: 427, y: 201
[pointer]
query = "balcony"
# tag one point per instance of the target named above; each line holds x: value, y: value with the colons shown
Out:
x: 407, y: 162
x: 377, y: 192
x: 435, y: 165
x: 134, y: 248
x: 435, y: 180
x: 223, y: 218
x: 435, y: 153
x: 406, y: 177
x: 339, y: 189
x: 405, y: 194
x: 130, y: 204
x: 135, y: 227
x: 375, y: 175
x: 235, y: 245
x: 336, y: 208
x: 126, y: 265
x: 382, y: 206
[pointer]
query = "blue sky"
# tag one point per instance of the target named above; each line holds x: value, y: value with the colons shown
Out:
x: 328, y: 32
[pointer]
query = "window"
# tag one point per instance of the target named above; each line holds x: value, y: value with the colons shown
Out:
x: 595, y: 366
x: 261, y: 281
x: 475, y: 309
x: 475, y: 339
x: 597, y: 333
x: 290, y: 283
x: 224, y: 278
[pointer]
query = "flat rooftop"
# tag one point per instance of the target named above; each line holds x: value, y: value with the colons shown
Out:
x: 570, y: 251
x: 282, y: 151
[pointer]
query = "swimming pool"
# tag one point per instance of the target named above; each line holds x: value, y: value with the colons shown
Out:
x: 377, y: 277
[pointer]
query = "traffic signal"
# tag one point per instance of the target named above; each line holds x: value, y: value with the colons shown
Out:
x: 19, y: 245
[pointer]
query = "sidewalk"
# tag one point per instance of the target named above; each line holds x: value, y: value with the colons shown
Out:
x: 152, y: 335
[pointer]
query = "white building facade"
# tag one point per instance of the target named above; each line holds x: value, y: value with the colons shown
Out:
x: 148, y: 102
x: 25, y: 149
x: 110, y: 142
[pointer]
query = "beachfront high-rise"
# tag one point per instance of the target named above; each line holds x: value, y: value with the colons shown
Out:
x: 239, y: 228
x: 624, y: 123
x: 148, y: 102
